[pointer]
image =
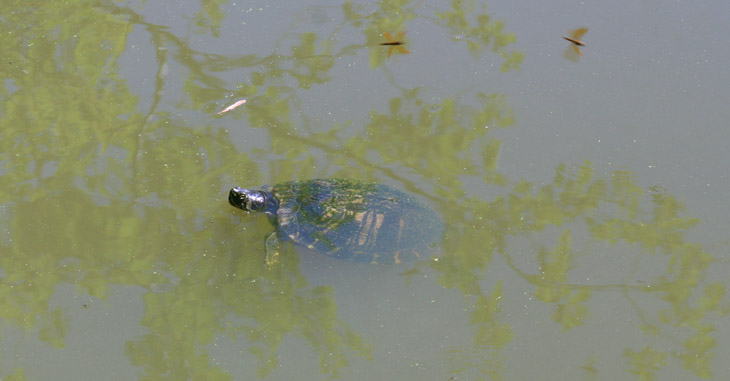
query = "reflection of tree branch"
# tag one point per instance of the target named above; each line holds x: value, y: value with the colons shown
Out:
x: 162, y: 68
x: 539, y: 282
x: 331, y: 151
x: 185, y: 53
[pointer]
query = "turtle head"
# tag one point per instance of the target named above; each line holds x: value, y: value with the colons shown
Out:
x: 248, y: 200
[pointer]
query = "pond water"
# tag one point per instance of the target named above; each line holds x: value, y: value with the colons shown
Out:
x: 584, y: 196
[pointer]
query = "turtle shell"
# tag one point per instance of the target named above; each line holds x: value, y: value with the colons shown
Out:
x: 356, y: 220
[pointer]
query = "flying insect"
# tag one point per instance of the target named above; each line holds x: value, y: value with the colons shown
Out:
x: 395, y: 43
x: 574, y: 36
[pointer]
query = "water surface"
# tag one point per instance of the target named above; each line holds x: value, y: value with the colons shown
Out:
x: 585, y: 201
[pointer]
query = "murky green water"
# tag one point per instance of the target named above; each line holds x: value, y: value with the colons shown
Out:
x: 584, y: 200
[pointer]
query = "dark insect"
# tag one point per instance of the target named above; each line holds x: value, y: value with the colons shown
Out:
x: 395, y: 43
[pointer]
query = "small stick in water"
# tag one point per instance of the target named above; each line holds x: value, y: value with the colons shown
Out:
x: 231, y: 107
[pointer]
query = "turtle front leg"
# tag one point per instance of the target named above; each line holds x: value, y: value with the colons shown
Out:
x: 272, y: 251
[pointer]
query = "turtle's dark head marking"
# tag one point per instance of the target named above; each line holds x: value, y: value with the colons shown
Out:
x: 246, y: 199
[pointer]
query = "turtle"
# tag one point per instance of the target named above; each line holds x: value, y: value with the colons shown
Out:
x: 344, y: 218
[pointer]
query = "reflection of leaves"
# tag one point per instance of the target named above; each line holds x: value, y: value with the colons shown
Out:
x: 351, y: 14
x: 491, y: 335
x: 480, y: 32
x: 572, y: 313
x: 613, y: 213
x: 554, y: 267
x: 17, y: 375
x: 482, y: 358
x: 154, y: 178
x: 309, y: 67
x: 181, y: 322
x: 486, y: 312
x: 287, y: 305
x: 200, y: 308
x: 209, y: 17
x: 452, y: 131
x: 698, y: 352
x: 645, y: 363
x: 589, y: 367
x: 53, y: 328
